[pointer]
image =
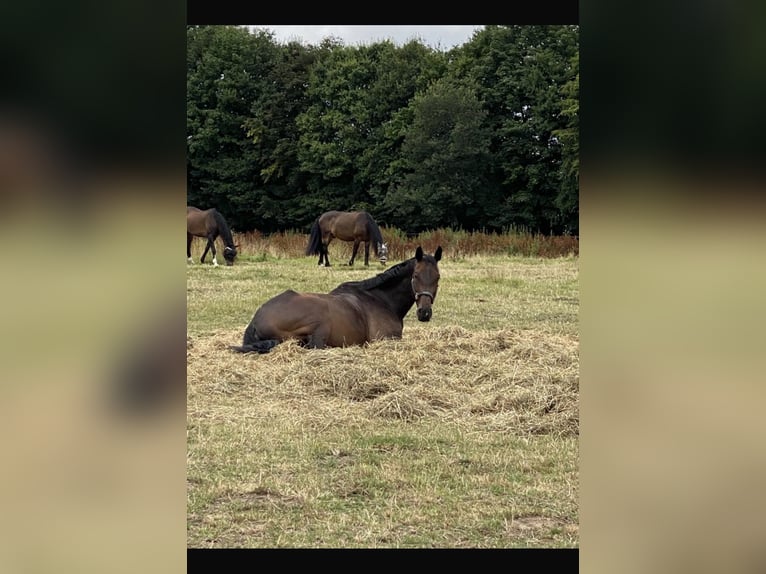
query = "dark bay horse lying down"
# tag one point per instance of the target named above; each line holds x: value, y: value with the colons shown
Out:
x: 356, y: 226
x: 354, y: 313
x: 209, y: 223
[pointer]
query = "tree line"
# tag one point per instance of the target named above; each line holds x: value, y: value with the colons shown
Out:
x: 481, y: 137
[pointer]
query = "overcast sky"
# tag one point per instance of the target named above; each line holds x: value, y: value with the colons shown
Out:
x: 439, y: 37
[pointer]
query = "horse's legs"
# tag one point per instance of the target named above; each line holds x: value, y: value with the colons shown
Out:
x: 354, y: 251
x: 367, y: 253
x: 189, y: 238
x: 325, y: 245
x: 322, y: 251
x: 318, y: 339
x: 211, y: 246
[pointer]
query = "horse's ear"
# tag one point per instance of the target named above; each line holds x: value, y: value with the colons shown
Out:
x: 438, y: 253
x: 419, y: 253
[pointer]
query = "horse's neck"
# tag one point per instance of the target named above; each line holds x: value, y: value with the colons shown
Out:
x: 399, y: 299
x: 226, y: 238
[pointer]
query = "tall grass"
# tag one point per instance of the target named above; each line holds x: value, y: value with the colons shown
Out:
x: 460, y: 243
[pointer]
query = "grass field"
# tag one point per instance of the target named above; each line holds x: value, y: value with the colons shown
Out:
x: 463, y: 434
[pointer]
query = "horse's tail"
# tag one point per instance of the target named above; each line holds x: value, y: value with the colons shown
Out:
x: 257, y: 347
x: 315, y: 239
x: 223, y: 229
x: 251, y: 342
x: 376, y: 237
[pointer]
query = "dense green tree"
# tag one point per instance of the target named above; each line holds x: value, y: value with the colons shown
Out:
x: 345, y: 145
x: 443, y: 161
x: 226, y: 69
x: 401, y: 73
x: 331, y: 128
x: 567, y: 200
x: 485, y: 136
x: 276, y: 201
x: 520, y: 71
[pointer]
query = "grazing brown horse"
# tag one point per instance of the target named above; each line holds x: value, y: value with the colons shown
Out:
x: 356, y: 226
x: 354, y: 313
x: 210, y: 224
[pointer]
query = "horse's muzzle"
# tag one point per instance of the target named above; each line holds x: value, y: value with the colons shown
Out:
x: 424, y: 314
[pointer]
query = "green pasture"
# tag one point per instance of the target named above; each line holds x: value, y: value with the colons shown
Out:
x: 464, y: 433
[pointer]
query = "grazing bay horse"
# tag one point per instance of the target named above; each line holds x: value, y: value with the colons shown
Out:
x: 209, y: 223
x: 354, y: 313
x: 356, y: 226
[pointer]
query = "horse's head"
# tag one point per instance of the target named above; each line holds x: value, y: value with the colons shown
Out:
x: 229, y: 253
x: 382, y: 253
x: 425, y: 281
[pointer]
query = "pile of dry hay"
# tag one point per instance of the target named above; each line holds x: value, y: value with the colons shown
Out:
x: 516, y: 381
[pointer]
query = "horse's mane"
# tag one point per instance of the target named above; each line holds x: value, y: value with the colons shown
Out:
x: 223, y: 228
x: 396, y: 272
x: 375, y: 235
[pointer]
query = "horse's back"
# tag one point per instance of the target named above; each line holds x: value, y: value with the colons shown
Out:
x: 345, y: 225
x: 197, y: 221
x: 289, y: 314
x: 328, y: 218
